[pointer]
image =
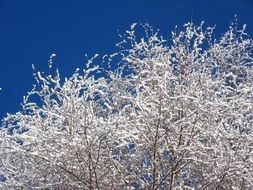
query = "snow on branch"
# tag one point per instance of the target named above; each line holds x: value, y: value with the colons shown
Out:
x: 156, y: 115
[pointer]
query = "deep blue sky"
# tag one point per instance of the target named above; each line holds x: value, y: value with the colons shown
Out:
x: 31, y: 30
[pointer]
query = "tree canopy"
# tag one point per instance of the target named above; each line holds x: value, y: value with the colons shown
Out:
x: 155, y: 115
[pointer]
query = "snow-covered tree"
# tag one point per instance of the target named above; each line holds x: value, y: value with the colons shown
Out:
x: 167, y: 115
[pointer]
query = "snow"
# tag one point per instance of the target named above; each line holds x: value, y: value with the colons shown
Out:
x: 133, y: 26
x: 147, y: 124
x: 52, y: 56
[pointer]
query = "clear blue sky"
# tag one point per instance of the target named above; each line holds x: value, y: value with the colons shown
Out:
x: 30, y: 30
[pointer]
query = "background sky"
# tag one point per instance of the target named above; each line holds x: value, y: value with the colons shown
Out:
x: 31, y: 30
